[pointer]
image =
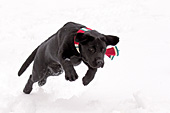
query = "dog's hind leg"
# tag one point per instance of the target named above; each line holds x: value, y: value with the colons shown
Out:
x: 28, y: 86
x: 53, y: 69
x: 43, y: 81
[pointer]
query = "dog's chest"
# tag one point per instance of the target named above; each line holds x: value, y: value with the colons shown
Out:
x: 75, y: 60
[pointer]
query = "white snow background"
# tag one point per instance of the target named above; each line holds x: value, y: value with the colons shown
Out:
x: 137, y: 81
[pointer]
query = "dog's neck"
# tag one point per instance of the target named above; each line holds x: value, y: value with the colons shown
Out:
x: 110, y: 52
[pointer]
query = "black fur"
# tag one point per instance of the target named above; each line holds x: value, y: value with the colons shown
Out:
x: 58, y: 53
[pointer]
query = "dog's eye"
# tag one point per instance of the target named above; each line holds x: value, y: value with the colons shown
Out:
x: 103, y: 50
x: 92, y: 50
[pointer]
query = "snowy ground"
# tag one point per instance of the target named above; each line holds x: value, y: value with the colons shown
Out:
x: 138, y: 81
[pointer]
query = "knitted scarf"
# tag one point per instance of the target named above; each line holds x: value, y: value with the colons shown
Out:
x: 110, y: 52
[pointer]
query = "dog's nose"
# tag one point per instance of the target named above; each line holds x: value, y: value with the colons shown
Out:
x: 99, y: 63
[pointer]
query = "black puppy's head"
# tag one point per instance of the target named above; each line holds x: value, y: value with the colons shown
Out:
x: 93, y: 47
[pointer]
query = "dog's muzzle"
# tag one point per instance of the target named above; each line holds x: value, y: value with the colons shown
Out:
x: 100, y: 63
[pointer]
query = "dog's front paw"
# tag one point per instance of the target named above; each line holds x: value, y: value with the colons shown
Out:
x: 86, y: 81
x: 71, y: 75
x: 89, y: 76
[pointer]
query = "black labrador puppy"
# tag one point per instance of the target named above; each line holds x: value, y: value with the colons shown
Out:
x: 59, y: 53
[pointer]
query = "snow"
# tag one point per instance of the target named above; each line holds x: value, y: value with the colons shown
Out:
x: 137, y: 81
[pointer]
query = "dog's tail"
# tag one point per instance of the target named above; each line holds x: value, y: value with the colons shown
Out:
x: 27, y: 62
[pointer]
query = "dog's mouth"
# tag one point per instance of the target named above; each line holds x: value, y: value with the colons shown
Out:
x: 98, y: 64
x: 95, y: 64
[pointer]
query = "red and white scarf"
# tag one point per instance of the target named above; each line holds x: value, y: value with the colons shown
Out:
x: 110, y: 52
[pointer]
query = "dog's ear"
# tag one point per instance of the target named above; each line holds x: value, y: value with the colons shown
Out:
x: 79, y: 37
x: 111, y: 40
x: 83, y: 39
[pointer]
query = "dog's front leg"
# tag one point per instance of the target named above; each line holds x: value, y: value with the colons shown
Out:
x: 89, y: 76
x: 70, y: 73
